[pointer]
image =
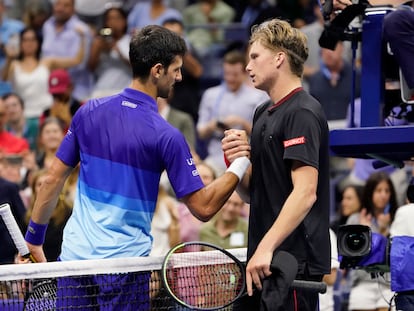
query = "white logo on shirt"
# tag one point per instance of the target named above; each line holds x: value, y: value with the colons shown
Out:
x: 128, y: 104
x: 195, y: 173
x: 190, y: 161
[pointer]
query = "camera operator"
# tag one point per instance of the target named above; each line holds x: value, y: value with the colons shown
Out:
x: 402, y: 226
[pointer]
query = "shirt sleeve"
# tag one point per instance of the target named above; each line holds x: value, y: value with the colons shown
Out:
x: 302, y: 137
x: 68, y: 151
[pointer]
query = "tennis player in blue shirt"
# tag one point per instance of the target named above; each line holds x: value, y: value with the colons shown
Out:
x: 123, y: 145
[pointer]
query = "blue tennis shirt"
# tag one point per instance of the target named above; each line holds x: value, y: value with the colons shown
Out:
x: 123, y: 146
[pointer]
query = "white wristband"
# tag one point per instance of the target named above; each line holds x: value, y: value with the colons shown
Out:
x: 239, y: 167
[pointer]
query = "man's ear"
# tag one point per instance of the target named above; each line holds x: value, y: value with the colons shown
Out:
x: 157, y: 70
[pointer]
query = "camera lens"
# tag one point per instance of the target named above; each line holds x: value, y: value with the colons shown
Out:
x: 355, y: 241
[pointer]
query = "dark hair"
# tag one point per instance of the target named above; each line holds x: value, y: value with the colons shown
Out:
x: 7, y: 95
x: 38, y: 38
x: 235, y: 57
x: 151, y: 45
x: 173, y: 20
x: 121, y: 11
x: 370, y: 187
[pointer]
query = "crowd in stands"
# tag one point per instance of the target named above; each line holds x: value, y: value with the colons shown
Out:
x: 55, y: 55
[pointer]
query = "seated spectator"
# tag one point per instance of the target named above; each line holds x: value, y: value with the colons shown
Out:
x: 165, y: 225
x: 9, y: 31
x: 35, y: 13
x: 332, y: 84
x: 29, y: 74
x: 228, y: 229
x: 179, y: 120
x: 153, y: 12
x: 228, y: 105
x: 9, y: 143
x: 205, y: 17
x: 9, y: 193
x: 60, y: 87
x: 351, y: 203
x: 50, y: 136
x: 186, y: 94
x: 17, y: 124
x: 109, y: 59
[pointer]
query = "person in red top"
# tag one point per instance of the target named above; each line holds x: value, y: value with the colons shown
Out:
x: 9, y: 144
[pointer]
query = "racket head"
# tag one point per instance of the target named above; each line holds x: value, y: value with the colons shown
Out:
x: 42, y: 296
x: 210, y: 279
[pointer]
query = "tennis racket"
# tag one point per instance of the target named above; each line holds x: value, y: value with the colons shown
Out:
x: 209, y: 280
x: 41, y: 294
x: 14, y: 231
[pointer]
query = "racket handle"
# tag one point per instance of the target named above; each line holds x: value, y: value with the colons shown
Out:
x: 313, y: 286
x: 14, y: 231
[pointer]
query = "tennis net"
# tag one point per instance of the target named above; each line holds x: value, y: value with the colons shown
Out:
x: 104, y: 284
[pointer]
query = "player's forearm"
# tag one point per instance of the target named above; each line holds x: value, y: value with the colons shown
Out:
x: 243, y: 188
x: 49, y: 191
x: 46, y: 200
x: 206, y: 202
x: 294, y: 211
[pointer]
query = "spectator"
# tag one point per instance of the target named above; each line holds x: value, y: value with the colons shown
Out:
x: 9, y: 31
x: 9, y: 143
x: 379, y: 207
x: 180, y: 120
x: 205, y: 18
x: 228, y: 105
x: 332, y: 84
x: 9, y: 193
x: 29, y: 74
x: 61, y: 39
x: 35, y: 14
x: 258, y: 11
x: 186, y: 94
x: 153, y: 12
x: 165, y: 225
x: 109, y: 54
x: 17, y: 124
x: 313, y: 32
x: 50, y: 136
x: 63, y: 107
x: 351, y: 203
x: 228, y: 228
x: 326, y: 300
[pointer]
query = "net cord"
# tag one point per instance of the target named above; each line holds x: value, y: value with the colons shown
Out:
x: 89, y: 267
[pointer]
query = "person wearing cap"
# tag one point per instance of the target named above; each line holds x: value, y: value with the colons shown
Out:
x: 60, y: 87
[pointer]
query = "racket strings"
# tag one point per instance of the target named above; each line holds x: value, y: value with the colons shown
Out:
x: 209, y: 279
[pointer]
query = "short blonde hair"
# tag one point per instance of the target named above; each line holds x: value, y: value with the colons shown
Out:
x: 278, y: 35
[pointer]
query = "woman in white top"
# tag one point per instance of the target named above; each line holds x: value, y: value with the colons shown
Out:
x: 29, y: 74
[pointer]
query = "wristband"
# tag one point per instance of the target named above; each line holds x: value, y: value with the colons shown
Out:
x: 239, y: 167
x: 35, y: 233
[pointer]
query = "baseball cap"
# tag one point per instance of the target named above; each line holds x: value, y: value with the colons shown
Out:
x: 59, y: 81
